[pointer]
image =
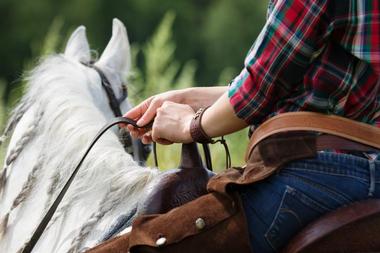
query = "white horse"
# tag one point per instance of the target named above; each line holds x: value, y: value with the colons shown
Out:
x: 62, y: 110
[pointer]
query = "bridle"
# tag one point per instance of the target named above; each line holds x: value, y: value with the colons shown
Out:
x: 135, y: 148
x: 114, y: 102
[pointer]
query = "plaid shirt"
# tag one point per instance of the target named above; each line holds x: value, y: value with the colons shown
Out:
x: 313, y: 55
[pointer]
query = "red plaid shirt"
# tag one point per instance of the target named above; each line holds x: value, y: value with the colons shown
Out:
x: 313, y: 55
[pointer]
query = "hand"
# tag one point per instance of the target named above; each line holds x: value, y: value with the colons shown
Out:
x: 145, y: 112
x: 194, y: 97
x: 171, y: 125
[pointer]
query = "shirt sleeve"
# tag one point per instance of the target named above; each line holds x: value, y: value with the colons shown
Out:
x: 276, y: 63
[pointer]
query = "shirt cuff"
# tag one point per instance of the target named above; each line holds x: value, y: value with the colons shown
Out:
x: 236, y: 96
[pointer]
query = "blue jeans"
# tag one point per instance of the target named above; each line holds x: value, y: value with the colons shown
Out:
x: 281, y: 205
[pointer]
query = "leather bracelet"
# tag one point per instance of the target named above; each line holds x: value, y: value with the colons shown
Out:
x: 196, y: 130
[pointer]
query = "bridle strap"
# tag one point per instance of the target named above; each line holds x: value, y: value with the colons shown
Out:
x: 130, y: 146
x: 114, y: 103
x: 44, y: 222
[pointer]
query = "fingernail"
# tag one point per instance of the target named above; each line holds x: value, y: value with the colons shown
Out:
x: 140, y: 122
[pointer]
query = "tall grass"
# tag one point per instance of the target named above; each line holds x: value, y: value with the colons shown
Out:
x: 160, y: 71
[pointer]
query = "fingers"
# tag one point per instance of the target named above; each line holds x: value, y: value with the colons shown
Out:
x: 138, y: 111
x: 150, y: 112
x: 145, y: 112
x: 147, y: 138
x: 164, y: 142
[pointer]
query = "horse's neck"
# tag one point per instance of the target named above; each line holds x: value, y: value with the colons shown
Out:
x: 64, y: 113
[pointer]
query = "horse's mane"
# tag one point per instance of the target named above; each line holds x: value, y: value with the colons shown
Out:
x: 63, y: 108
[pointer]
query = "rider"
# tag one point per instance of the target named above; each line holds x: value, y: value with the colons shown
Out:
x: 315, y: 55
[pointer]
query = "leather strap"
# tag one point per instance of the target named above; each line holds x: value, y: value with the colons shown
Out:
x: 206, y: 150
x: 114, y: 103
x: 347, y: 133
x: 196, y: 130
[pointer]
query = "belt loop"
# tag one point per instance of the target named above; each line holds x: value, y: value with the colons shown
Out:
x: 372, y: 179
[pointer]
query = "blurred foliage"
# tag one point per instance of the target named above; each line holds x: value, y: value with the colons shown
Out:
x: 3, y: 115
x: 215, y: 33
x: 175, y: 44
x: 2, y: 105
x: 161, y: 71
x: 53, y: 38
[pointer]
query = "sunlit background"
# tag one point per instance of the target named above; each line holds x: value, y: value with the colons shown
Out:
x: 175, y: 43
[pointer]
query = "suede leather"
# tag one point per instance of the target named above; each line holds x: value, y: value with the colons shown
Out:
x: 225, y: 229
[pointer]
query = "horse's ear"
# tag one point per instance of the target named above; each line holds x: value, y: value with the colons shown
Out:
x: 116, y: 56
x: 77, y: 47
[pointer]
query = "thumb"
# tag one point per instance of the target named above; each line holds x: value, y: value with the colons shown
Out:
x: 138, y: 111
x: 149, y: 114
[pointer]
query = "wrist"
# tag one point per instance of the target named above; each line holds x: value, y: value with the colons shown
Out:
x: 198, y: 97
x: 186, y: 133
x: 187, y: 96
x: 220, y: 119
x: 197, y: 132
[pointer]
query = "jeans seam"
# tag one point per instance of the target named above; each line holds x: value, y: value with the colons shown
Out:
x: 276, y: 215
x: 330, y: 173
x: 372, y: 180
x: 332, y: 194
x: 302, y: 198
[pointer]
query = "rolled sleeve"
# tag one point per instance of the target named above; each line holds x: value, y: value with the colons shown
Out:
x: 292, y: 36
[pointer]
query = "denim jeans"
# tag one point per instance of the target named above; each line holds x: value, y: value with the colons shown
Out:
x: 281, y: 205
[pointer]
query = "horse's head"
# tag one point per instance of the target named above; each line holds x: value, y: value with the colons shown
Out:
x: 114, y: 62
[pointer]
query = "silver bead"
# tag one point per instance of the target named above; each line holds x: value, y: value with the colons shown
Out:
x: 161, y: 241
x: 200, y: 223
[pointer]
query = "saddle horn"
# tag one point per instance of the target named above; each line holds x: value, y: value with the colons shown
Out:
x: 176, y: 187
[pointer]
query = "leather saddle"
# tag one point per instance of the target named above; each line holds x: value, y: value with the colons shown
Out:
x: 353, y: 228
x: 176, y: 187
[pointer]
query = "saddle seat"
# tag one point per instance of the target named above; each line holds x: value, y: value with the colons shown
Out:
x: 353, y: 228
